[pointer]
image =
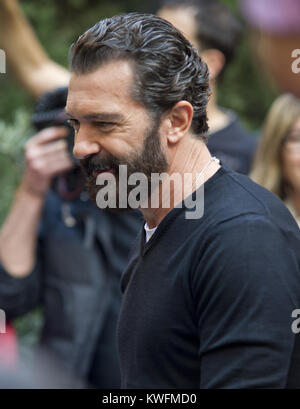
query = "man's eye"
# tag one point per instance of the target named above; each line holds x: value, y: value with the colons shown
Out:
x: 104, y: 125
x: 74, y: 123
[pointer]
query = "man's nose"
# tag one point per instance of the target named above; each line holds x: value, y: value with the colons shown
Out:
x: 83, y: 146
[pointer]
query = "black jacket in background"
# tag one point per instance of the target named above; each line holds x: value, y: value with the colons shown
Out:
x: 76, y: 279
x: 233, y: 145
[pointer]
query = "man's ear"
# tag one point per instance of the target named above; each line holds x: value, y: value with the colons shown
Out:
x: 215, y: 61
x: 179, y: 121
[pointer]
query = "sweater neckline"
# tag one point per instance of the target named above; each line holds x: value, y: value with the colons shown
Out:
x: 174, y: 213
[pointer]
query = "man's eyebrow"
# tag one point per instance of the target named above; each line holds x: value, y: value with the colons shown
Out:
x: 103, y: 116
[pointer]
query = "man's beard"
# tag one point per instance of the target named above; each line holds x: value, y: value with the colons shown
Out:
x: 150, y: 160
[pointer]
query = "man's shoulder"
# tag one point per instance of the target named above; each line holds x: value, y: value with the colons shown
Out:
x: 246, y: 231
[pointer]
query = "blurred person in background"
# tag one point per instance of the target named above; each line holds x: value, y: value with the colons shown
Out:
x: 215, y: 32
x: 275, y: 26
x: 59, y: 251
x: 26, y: 58
x: 53, y: 230
x: 32, y: 67
x: 277, y: 162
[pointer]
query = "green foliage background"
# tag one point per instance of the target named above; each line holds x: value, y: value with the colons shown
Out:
x: 57, y: 24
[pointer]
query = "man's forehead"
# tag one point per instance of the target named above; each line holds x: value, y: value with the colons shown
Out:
x: 111, y: 83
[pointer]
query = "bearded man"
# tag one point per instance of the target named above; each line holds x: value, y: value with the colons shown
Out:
x: 207, y: 302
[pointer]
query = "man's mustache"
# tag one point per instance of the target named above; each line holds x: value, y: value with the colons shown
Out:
x: 89, y: 165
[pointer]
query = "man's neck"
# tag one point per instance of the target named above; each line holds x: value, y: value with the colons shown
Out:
x: 190, y: 158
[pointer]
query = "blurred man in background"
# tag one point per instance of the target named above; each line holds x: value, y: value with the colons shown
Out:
x: 215, y: 32
x: 57, y: 250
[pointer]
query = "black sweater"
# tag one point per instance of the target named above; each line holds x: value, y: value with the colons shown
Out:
x: 207, y: 303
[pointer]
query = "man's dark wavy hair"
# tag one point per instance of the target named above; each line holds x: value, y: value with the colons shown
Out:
x: 166, y: 66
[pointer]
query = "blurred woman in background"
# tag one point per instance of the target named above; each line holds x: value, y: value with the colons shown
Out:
x: 277, y: 162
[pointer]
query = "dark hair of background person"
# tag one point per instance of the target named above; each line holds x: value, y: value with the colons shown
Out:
x: 166, y: 66
x: 216, y: 26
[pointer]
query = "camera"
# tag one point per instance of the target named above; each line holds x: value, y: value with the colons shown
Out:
x: 50, y: 111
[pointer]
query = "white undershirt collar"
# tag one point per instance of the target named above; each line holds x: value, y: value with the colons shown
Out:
x: 149, y: 232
